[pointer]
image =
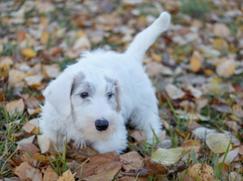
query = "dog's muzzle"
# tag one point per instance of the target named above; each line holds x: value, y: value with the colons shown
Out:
x: 101, y: 124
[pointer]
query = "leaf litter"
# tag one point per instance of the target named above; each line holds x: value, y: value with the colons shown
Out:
x: 196, y: 68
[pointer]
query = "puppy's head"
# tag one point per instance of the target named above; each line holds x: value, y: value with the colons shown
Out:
x: 91, y: 99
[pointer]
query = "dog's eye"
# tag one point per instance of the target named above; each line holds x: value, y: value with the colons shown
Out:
x: 110, y: 95
x: 84, y: 95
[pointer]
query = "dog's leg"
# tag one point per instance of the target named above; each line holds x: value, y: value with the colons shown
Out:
x: 147, y: 37
x: 146, y: 116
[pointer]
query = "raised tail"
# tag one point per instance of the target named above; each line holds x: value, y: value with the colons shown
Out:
x: 147, y: 37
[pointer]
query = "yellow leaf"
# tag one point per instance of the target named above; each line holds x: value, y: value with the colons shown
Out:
x: 156, y: 57
x: 44, y: 37
x: 167, y: 156
x: 66, y: 176
x: 218, y: 142
x: 196, y: 61
x: 28, y: 53
x: 220, y: 44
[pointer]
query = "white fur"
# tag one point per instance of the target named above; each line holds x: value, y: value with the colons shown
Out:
x: 66, y: 116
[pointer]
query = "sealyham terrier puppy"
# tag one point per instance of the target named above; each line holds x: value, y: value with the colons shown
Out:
x: 93, y: 99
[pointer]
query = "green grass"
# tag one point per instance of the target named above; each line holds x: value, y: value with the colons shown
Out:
x: 195, y: 8
x: 59, y: 162
x: 216, y: 119
x: 9, y: 124
x: 9, y: 49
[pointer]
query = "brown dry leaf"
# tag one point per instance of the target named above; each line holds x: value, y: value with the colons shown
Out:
x: 50, y: 174
x: 29, y: 127
x: 195, y: 92
x: 101, y: 167
x: 66, y: 176
x: 28, y: 147
x: 44, y: 37
x: 221, y: 30
x: 138, y: 135
x: 26, y: 172
x: 191, y: 145
x: 154, y: 168
x: 202, y: 172
x: 15, y: 77
x: 34, y: 80
x: 51, y: 71
x: 15, y: 106
x: 44, y: 143
x: 196, y: 61
x: 226, y: 68
x: 28, y: 53
x: 155, y: 68
x: 174, y: 92
x: 131, y: 161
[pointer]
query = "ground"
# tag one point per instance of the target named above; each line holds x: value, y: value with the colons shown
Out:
x: 196, y: 68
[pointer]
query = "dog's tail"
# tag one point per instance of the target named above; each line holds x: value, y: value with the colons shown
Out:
x: 147, y: 37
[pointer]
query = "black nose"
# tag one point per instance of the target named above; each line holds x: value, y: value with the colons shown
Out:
x: 101, y: 124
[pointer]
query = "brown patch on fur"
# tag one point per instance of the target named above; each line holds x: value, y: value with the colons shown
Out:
x: 118, y: 107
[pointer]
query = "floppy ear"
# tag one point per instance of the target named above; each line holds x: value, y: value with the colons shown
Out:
x: 58, y: 93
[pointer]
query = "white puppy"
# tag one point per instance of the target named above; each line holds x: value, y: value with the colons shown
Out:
x: 92, y: 100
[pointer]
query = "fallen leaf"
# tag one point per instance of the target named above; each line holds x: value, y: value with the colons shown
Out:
x: 50, y: 174
x: 44, y: 143
x: 101, y: 167
x: 131, y: 161
x: 202, y: 132
x: 26, y: 141
x: 28, y: 147
x: 25, y: 171
x: 82, y: 43
x: 28, y: 53
x: 226, y: 68
x: 16, y: 77
x: 155, y: 68
x: 16, y: 106
x: 154, y: 168
x: 234, y: 176
x: 195, y: 92
x: 220, y: 44
x: 167, y: 156
x: 29, y: 127
x: 138, y: 135
x: 221, y: 30
x: 202, y: 172
x: 51, y: 71
x: 34, y: 80
x: 191, y: 145
x: 174, y: 92
x: 218, y: 142
x: 231, y: 155
x: 196, y: 61
x: 44, y: 37
x: 66, y: 176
